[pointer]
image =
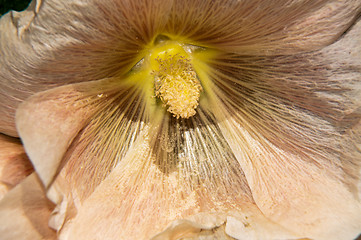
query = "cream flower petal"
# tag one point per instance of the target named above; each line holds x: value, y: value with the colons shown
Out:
x: 295, y: 134
x: 248, y: 224
x: 25, y: 211
x: 104, y: 140
x: 165, y: 173
x: 308, y: 200
x: 138, y: 199
x: 48, y: 122
x: 157, y: 163
x: 14, y: 164
x: 186, y: 229
x: 97, y: 121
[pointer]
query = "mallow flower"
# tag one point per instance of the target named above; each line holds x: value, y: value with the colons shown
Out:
x: 183, y: 119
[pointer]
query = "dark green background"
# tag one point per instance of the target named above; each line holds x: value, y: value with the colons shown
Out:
x: 18, y: 5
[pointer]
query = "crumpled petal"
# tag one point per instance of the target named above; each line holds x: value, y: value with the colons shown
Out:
x: 252, y: 224
x: 14, y: 164
x: 13, y: 49
x: 28, y: 40
x: 25, y: 211
x: 248, y: 224
x: 186, y: 228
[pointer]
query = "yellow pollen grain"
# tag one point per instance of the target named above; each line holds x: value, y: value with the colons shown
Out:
x: 177, y: 85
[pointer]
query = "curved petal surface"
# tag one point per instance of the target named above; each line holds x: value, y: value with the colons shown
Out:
x: 14, y: 164
x: 294, y: 134
x: 138, y: 199
x: 48, y: 122
x: 25, y: 211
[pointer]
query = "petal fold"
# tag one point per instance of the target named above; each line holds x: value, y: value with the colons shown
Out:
x: 25, y: 211
x: 48, y: 122
x: 29, y: 40
x: 14, y: 164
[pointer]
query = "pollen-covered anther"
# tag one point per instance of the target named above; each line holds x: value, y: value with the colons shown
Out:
x: 177, y: 85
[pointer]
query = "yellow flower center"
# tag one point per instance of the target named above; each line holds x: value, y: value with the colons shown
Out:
x: 175, y: 81
x: 173, y: 72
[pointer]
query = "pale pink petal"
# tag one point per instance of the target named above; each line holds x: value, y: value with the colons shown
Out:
x: 174, y: 170
x: 49, y: 130
x: 263, y: 27
x: 247, y: 27
x: 295, y: 193
x: 77, y: 133
x: 292, y: 123
x: 93, y: 39
x: 137, y: 199
x: 25, y: 211
x: 48, y: 122
x: 14, y: 164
